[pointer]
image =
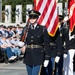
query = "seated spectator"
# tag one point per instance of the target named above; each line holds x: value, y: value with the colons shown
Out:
x: 5, y: 47
x: 14, y: 41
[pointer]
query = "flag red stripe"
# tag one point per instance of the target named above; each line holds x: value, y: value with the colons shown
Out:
x: 50, y: 16
x: 39, y: 4
x: 71, y: 7
x: 34, y: 4
x: 44, y: 13
x: 55, y: 26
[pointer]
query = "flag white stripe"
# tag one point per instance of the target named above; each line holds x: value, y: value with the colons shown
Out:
x: 42, y: 6
x: 41, y: 10
x: 52, y: 21
x: 48, y: 12
x: 47, y: 17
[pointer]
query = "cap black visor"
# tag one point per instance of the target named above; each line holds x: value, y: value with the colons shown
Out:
x: 33, y: 16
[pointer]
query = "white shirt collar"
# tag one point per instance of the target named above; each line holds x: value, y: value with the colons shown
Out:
x: 35, y: 25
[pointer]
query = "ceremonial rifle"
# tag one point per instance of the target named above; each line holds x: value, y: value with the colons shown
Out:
x: 24, y: 33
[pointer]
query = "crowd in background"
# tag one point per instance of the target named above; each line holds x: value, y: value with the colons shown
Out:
x: 9, y: 39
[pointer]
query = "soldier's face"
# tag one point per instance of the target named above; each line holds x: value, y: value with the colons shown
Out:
x: 33, y: 20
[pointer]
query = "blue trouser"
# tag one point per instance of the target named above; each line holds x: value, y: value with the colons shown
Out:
x: 8, y: 52
x: 16, y: 51
x: 33, y: 70
x: 59, y: 67
x: 51, y: 66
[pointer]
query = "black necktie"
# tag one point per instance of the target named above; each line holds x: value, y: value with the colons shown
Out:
x: 32, y: 26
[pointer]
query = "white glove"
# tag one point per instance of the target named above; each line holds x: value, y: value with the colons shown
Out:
x: 65, y: 55
x: 57, y: 58
x: 21, y: 44
x: 46, y: 63
x: 71, y: 37
x: 66, y: 18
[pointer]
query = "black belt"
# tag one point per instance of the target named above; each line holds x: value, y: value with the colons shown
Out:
x: 34, y: 46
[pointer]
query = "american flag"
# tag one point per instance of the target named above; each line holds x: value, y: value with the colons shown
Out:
x: 71, y: 8
x: 49, y: 16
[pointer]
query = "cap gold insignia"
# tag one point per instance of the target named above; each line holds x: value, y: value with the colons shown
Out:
x: 32, y: 12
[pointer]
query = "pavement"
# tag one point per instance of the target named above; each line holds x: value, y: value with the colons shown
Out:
x: 15, y: 68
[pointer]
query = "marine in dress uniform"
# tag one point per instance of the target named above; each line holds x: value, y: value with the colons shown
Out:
x: 68, y: 61
x: 68, y: 69
x: 37, y: 41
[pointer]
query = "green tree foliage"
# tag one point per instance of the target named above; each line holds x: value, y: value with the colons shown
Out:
x: 13, y: 3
